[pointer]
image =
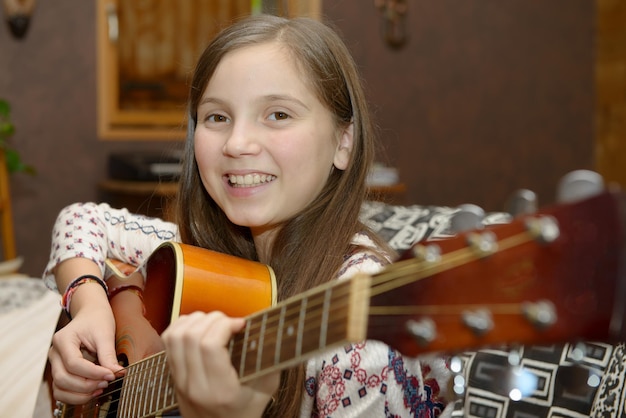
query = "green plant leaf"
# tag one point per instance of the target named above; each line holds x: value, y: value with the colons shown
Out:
x: 5, y: 108
x: 15, y: 163
x: 7, y: 129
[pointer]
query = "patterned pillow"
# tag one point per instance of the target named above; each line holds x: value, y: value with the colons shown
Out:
x: 403, y: 226
x: 567, y: 380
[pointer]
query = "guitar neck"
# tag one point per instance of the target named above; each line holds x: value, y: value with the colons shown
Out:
x: 273, y: 339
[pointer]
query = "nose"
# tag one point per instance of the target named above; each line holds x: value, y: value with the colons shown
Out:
x: 243, y: 140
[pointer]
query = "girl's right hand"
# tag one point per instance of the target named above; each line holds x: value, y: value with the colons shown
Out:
x: 77, y: 379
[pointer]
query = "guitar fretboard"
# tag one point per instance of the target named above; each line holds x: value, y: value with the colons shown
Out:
x: 148, y: 388
x: 273, y: 339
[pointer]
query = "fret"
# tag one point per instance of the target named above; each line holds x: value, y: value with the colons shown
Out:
x: 152, y: 379
x: 123, y: 399
x: 270, y: 338
x: 244, y: 348
x: 159, y: 373
x: 259, y: 354
x: 143, y: 387
x: 149, y: 383
x: 301, y: 320
x: 132, y: 386
x: 136, y: 389
x: 324, y: 320
x: 169, y: 392
x: 289, y: 334
x: 313, y: 334
x: 279, y: 335
x: 133, y: 392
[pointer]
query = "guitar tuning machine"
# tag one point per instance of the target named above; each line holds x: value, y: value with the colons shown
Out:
x: 479, y: 321
x: 522, y: 202
x: 541, y: 314
x: 467, y: 218
x: 424, y: 331
x: 58, y: 411
x: 428, y: 253
x: 545, y: 228
x: 484, y: 243
x: 579, y: 184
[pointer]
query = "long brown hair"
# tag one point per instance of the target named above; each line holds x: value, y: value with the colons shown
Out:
x: 309, y: 248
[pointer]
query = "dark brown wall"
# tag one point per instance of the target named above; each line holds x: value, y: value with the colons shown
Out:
x: 486, y: 97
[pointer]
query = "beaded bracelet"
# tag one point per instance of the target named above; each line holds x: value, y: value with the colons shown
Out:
x: 131, y: 288
x: 71, y: 288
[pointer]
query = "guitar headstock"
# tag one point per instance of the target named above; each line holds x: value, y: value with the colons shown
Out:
x: 546, y: 277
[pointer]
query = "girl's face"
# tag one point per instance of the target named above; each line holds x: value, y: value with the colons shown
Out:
x: 265, y: 145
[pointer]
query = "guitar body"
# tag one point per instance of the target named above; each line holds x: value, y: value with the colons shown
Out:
x: 183, y: 279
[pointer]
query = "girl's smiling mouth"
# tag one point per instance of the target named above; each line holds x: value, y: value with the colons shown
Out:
x: 249, y: 180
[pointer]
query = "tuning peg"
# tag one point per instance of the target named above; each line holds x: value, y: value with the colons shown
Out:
x: 541, y: 314
x: 479, y: 321
x: 468, y: 217
x: 522, y: 202
x: 428, y: 253
x: 58, y: 411
x: 579, y: 184
x: 424, y: 331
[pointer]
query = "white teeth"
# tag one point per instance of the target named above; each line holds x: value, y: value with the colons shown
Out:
x: 249, y: 180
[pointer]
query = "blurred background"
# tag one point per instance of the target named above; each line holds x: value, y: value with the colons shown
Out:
x: 473, y: 99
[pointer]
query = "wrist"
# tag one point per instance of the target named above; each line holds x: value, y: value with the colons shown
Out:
x: 128, y: 296
x: 78, y: 285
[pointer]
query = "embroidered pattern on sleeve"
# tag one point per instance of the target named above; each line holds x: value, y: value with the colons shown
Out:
x: 97, y: 232
x: 371, y: 378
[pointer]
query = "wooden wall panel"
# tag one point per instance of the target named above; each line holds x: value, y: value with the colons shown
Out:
x: 611, y: 90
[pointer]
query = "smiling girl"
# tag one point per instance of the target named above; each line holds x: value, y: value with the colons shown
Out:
x: 279, y: 144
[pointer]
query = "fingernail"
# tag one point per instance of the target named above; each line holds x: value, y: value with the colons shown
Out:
x: 103, y: 385
x: 109, y: 376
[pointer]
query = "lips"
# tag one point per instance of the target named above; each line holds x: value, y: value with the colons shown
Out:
x: 249, y: 180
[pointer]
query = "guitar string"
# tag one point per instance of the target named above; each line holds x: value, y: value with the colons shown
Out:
x: 409, y: 271
x: 392, y: 278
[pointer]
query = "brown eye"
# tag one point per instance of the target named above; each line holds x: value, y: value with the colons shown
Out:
x: 279, y: 116
x: 217, y: 118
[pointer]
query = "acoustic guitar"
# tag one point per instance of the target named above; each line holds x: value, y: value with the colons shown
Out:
x: 553, y: 276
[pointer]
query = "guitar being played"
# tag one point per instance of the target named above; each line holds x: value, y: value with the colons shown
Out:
x: 543, y: 278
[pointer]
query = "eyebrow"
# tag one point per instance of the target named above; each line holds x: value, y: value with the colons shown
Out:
x: 206, y: 100
x: 284, y: 97
x: 267, y: 98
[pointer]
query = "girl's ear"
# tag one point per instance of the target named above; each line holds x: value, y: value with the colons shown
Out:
x: 344, y: 147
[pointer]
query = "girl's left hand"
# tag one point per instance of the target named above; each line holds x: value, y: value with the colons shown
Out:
x: 207, y: 384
